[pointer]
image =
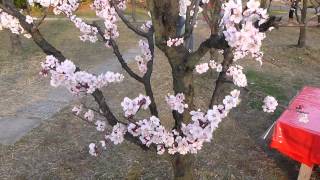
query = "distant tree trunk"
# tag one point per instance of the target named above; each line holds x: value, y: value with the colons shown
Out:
x: 133, y: 13
x: 263, y: 4
x: 269, y: 6
x: 15, y: 43
x: 318, y: 14
x: 302, y: 36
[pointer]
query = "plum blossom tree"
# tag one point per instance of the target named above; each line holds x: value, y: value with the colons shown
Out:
x: 239, y: 34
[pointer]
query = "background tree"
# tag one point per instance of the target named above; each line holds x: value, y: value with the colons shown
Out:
x: 133, y: 12
x: 240, y: 34
x: 303, y: 28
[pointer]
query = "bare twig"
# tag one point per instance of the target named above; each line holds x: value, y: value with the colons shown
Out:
x: 118, y: 54
x: 42, y: 19
x: 127, y: 22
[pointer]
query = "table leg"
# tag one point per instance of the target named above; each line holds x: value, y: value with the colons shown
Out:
x: 305, y: 172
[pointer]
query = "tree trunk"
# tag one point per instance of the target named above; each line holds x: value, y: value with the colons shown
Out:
x: 302, y: 35
x: 183, y: 83
x: 133, y: 13
x: 221, y: 87
x: 15, y: 43
x: 183, y: 166
x: 263, y: 4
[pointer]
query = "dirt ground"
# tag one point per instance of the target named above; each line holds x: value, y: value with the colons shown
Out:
x: 57, y: 149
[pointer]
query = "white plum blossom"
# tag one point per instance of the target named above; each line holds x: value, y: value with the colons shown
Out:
x: 89, y: 115
x: 202, y: 126
x: 145, y: 56
x: 101, y: 125
x: 93, y: 149
x: 103, y: 144
x: 219, y: 68
x: 175, y: 42
x: 118, y: 132
x: 132, y: 106
x: 77, y: 109
x: 65, y: 74
x: 108, y: 13
x: 239, y: 78
x: 160, y: 149
x: 212, y: 64
x: 29, y: 19
x: 246, y: 40
x: 88, y: 32
x: 193, y: 135
x: 176, y: 102
x: 146, y: 26
x: 202, y: 68
x: 9, y: 22
x: 67, y: 7
x: 270, y: 104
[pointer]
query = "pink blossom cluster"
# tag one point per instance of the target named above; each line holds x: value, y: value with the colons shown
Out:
x: 270, y: 104
x: 89, y: 116
x: 67, y: 7
x: 108, y: 13
x: 150, y: 131
x: 175, y: 42
x: 204, y: 67
x: 9, y: 22
x: 238, y: 77
x: 65, y: 74
x: 132, y: 106
x: 189, y: 140
x: 202, y: 126
x: 240, y: 31
x: 88, y: 33
x: 146, y: 26
x: 176, y: 102
x: 117, y: 134
x: 143, y: 59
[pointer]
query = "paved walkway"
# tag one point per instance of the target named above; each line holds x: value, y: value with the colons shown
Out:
x: 29, y: 115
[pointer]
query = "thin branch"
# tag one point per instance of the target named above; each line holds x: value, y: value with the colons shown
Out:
x: 127, y: 22
x: 190, y: 25
x: 37, y: 25
x: 145, y: 80
x: 118, y: 54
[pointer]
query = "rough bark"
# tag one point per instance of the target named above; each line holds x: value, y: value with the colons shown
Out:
x: 303, y: 29
x: 220, y: 86
x: 183, y: 167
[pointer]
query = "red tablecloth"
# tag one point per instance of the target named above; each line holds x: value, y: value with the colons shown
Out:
x: 299, y: 140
